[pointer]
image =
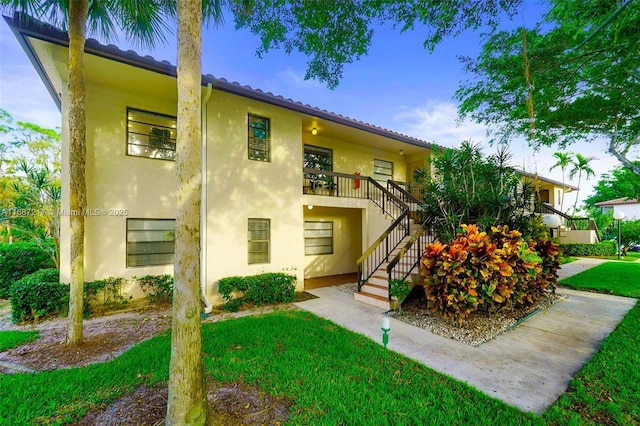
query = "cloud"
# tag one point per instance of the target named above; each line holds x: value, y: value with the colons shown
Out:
x: 437, y: 122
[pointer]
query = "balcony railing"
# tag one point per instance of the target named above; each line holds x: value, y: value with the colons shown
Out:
x: 335, y: 184
x: 573, y: 223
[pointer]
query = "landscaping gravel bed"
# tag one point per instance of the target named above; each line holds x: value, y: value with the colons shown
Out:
x: 478, y: 328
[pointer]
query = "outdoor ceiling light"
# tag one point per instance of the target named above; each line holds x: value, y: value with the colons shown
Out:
x: 310, y: 207
x: 402, y: 152
x: 314, y: 131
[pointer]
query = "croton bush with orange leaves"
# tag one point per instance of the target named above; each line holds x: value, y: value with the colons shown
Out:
x: 487, y: 272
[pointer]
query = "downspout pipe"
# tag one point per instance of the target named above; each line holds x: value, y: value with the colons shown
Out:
x: 203, y: 202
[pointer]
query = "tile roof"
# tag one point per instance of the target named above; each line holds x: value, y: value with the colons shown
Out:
x: 25, y: 26
x: 617, y: 202
x: 544, y: 179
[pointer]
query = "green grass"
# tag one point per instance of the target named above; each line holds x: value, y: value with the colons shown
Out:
x: 13, y: 339
x: 622, y: 279
x: 333, y: 376
x: 567, y: 259
x: 631, y: 256
x: 606, y: 390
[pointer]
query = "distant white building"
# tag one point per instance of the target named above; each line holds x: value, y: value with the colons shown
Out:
x: 629, y: 206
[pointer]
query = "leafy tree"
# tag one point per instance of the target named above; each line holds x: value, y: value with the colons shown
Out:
x: 332, y: 33
x: 563, y: 161
x: 30, y: 184
x: 620, y: 183
x: 583, y: 67
x: 466, y: 188
x: 580, y: 166
x: 139, y: 20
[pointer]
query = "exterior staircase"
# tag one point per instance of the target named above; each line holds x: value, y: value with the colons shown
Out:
x: 375, y: 291
x: 396, y: 254
x: 394, y: 257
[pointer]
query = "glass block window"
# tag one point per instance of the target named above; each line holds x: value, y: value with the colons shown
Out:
x: 150, y: 242
x: 259, y: 138
x: 259, y: 238
x: 151, y: 135
x: 382, y: 171
x: 318, y: 237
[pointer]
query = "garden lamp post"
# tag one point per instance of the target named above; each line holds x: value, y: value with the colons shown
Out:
x: 552, y: 221
x: 386, y: 327
x: 618, y: 216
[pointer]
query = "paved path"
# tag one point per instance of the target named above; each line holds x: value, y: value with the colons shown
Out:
x: 528, y: 367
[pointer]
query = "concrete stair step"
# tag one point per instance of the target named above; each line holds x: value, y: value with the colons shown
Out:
x: 373, y: 299
x: 379, y: 290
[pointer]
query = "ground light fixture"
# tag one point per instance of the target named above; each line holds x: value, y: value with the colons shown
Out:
x: 618, y: 216
x: 386, y: 327
x: 552, y: 221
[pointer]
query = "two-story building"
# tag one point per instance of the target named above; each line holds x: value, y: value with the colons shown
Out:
x: 286, y: 186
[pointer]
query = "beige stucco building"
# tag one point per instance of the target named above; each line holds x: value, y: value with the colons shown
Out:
x: 287, y: 187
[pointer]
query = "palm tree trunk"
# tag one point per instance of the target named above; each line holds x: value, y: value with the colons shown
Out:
x: 187, y: 404
x: 78, y: 10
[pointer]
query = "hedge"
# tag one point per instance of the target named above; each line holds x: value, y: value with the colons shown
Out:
x: 18, y: 260
x: 38, y: 295
x: 258, y: 289
x: 605, y: 248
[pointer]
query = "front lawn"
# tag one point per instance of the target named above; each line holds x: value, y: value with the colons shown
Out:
x: 333, y: 376
x: 606, y: 390
x: 622, y: 279
x: 13, y: 339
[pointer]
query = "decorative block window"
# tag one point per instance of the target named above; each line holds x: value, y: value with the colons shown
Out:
x: 151, y: 135
x: 318, y: 237
x: 259, y: 138
x: 382, y: 171
x: 259, y: 239
x: 150, y: 242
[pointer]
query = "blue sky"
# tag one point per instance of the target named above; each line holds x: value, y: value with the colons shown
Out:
x: 399, y: 85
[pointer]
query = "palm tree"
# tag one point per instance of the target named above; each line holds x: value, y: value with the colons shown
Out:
x: 564, y: 161
x: 140, y: 20
x: 580, y: 165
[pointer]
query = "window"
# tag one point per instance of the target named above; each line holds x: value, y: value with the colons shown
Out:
x: 151, y: 135
x: 318, y: 238
x: 259, y: 138
x: 318, y: 158
x: 150, y: 242
x: 259, y: 239
x: 382, y: 171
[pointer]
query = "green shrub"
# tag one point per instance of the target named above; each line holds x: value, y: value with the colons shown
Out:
x: 18, y: 260
x: 38, y: 294
x: 159, y: 288
x: 463, y: 186
x: 477, y: 271
x: 106, y: 292
x: 258, y: 289
x: 605, y: 248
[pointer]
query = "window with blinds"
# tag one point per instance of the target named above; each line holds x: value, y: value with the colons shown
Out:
x: 259, y: 239
x: 150, y: 242
x: 382, y: 171
x: 318, y: 237
x: 259, y: 138
x: 151, y: 135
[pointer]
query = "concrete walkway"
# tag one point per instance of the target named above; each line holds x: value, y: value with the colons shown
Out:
x: 528, y: 367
